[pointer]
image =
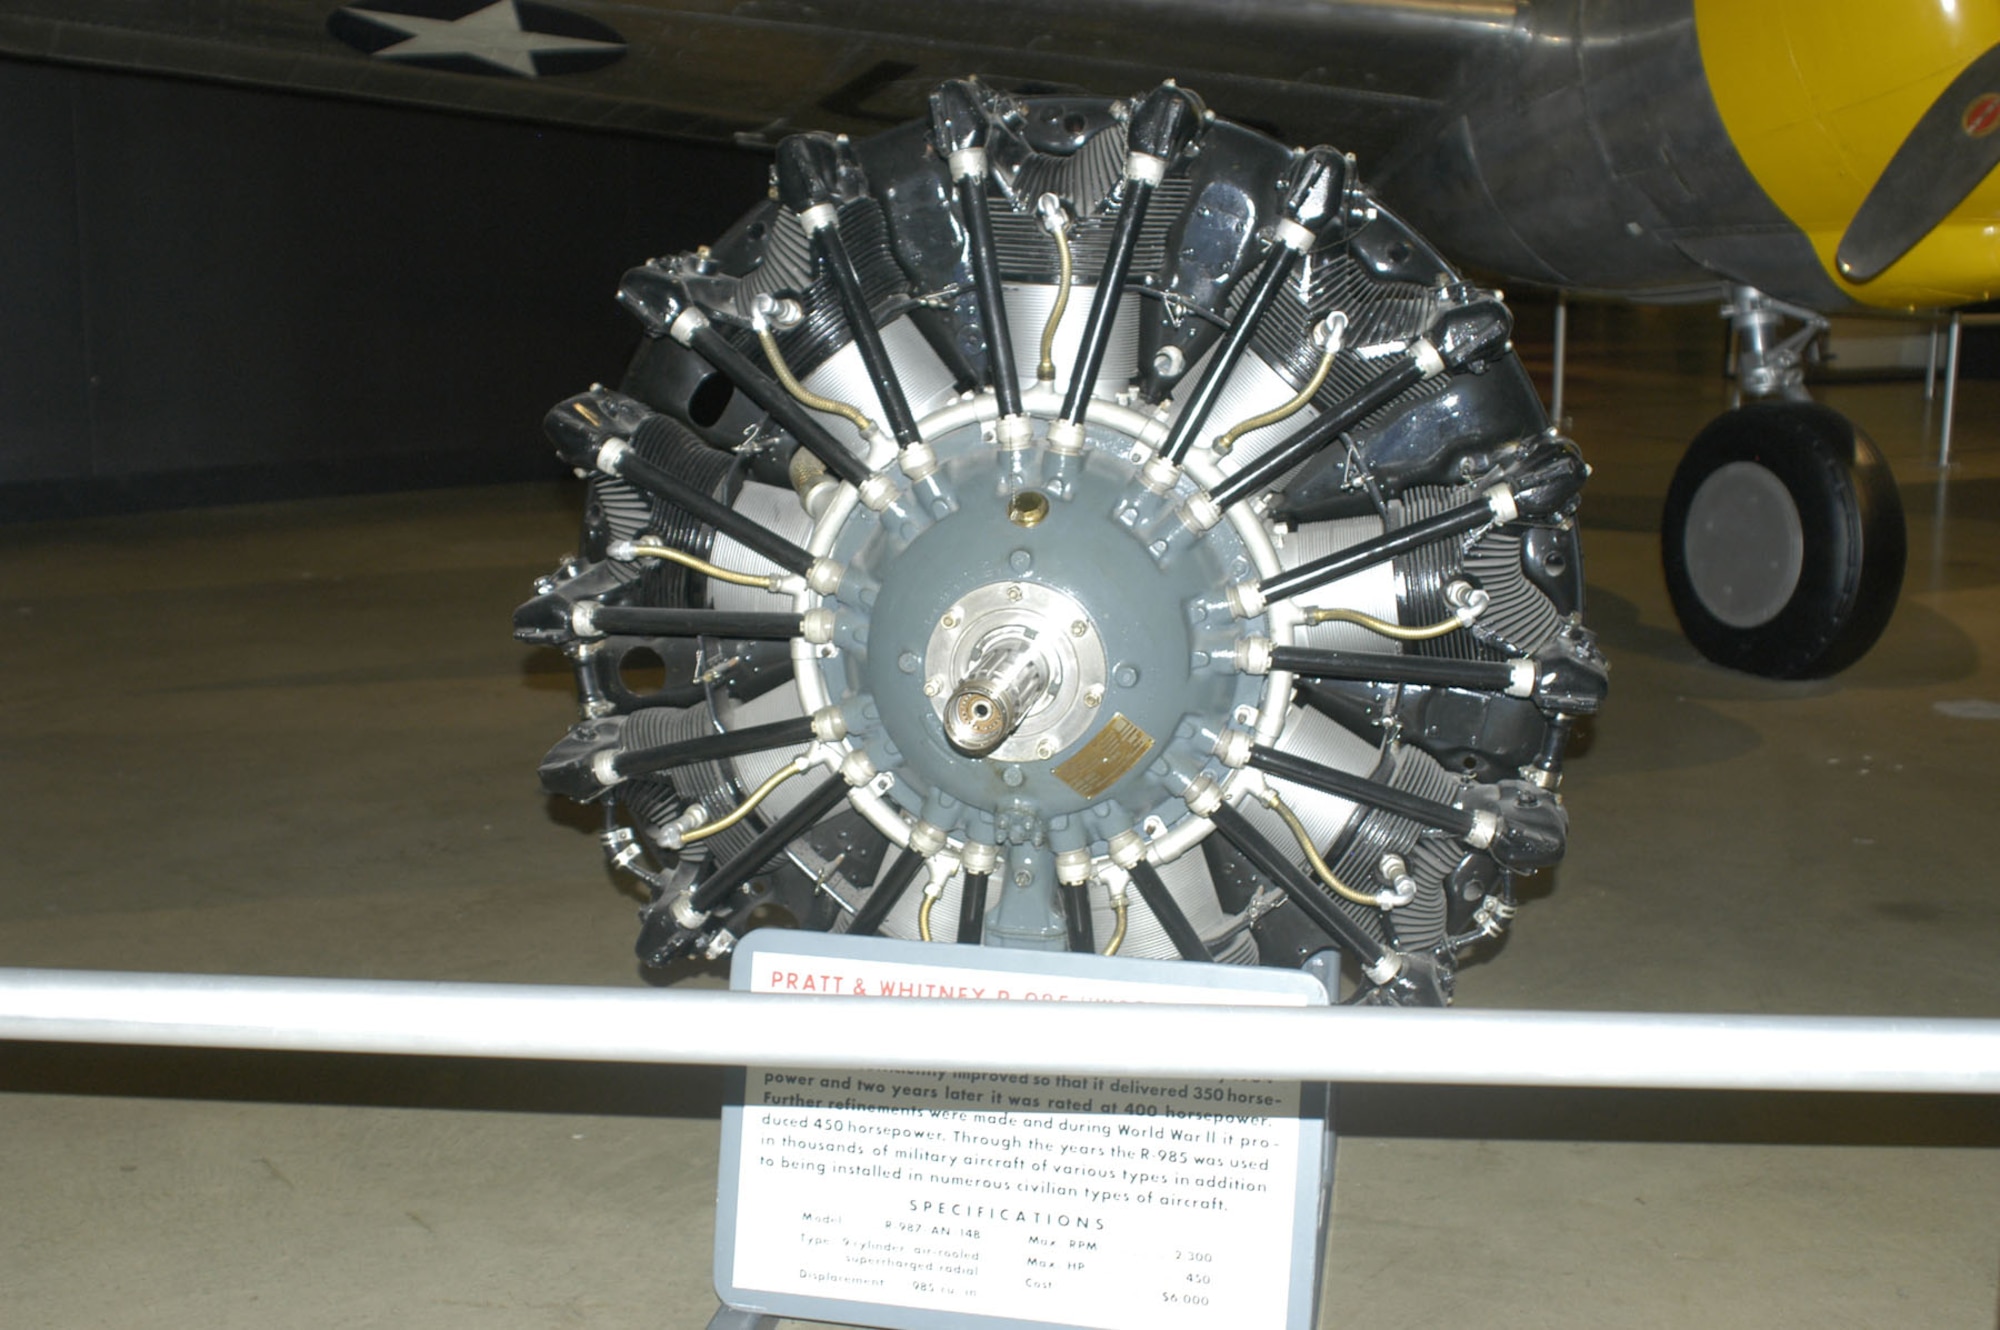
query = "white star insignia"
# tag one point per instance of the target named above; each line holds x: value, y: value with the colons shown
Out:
x: 492, y: 35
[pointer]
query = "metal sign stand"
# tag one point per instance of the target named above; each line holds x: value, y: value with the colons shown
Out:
x: 736, y: 1318
x: 913, y: 1200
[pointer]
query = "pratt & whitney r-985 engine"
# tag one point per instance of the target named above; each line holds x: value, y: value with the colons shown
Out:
x: 1074, y: 524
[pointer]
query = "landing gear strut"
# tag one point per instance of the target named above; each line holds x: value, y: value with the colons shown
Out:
x: 1782, y: 537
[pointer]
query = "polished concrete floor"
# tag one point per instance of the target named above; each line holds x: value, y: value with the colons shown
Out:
x: 298, y: 739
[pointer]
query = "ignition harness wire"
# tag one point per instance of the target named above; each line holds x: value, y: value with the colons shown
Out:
x: 852, y: 414
x: 1471, y: 602
x: 644, y: 548
x: 1276, y: 803
x: 1056, y: 221
x: 1118, y: 930
x: 1328, y: 334
x: 797, y: 766
x: 1400, y: 632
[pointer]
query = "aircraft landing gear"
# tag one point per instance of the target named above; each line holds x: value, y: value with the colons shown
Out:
x: 1782, y: 537
x: 1768, y: 365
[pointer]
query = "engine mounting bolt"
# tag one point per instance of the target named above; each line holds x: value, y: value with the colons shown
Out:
x: 950, y: 619
x: 1046, y: 748
x: 1081, y: 628
x: 1094, y: 695
x: 934, y: 685
x: 1014, y: 592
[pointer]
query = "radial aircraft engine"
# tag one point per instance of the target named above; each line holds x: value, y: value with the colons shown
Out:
x: 1073, y: 524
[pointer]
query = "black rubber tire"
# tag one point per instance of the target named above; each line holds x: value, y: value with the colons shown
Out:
x: 1850, y: 557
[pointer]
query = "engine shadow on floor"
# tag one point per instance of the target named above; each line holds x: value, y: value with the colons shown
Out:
x: 1921, y: 646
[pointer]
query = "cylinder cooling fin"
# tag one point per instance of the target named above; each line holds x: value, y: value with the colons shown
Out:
x: 1078, y: 524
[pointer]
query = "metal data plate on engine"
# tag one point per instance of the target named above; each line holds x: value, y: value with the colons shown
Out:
x: 912, y: 1199
x: 1103, y: 762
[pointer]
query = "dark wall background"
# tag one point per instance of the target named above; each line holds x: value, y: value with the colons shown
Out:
x: 213, y: 294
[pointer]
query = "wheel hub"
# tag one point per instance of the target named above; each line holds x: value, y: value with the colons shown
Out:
x: 1745, y: 546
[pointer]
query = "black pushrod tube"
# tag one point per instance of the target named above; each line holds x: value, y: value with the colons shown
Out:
x: 708, y: 747
x: 661, y: 621
x: 1314, y: 436
x: 861, y: 322
x: 1347, y: 562
x: 1076, y: 915
x: 1361, y: 790
x: 1278, y: 266
x: 1168, y: 911
x: 1380, y: 667
x: 745, y: 531
x: 882, y: 897
x: 1104, y: 305
x: 992, y: 306
x: 972, y: 908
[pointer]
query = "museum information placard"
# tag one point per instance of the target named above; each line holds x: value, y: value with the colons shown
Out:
x: 918, y: 1198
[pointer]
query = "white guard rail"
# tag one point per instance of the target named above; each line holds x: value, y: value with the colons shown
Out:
x: 1639, y: 1050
